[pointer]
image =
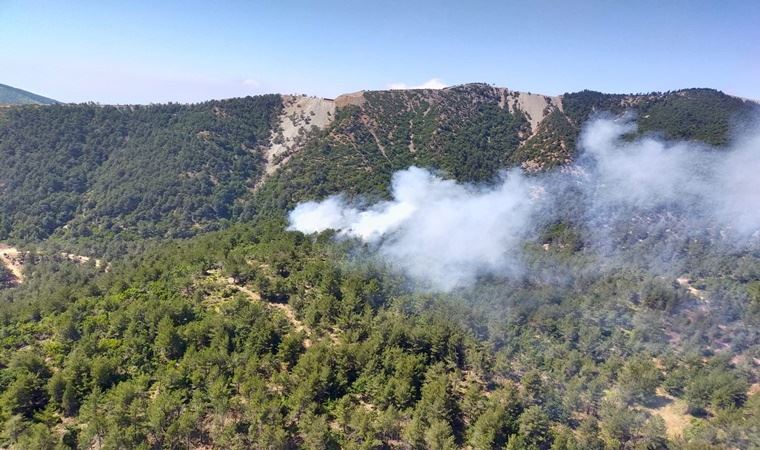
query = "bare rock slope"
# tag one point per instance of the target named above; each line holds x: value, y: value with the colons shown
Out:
x: 300, y: 116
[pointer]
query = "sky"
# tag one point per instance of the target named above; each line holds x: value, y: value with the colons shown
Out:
x: 187, y: 51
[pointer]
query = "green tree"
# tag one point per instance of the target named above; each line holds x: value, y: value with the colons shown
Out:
x: 497, y: 422
x: 697, y: 395
x: 439, y: 436
x: 653, y: 435
x: 25, y: 395
x: 533, y: 428
x: 56, y: 386
x: 37, y: 436
x: 639, y: 379
x: 69, y: 400
x: 169, y: 343
x: 103, y: 373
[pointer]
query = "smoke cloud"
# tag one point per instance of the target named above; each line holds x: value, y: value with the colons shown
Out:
x: 441, y: 233
x: 445, y: 234
x: 706, y: 186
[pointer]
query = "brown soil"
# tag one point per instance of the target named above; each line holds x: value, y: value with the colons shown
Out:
x: 13, y: 259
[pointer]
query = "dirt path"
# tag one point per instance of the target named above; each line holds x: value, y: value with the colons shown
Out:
x: 287, y: 310
x: 83, y: 259
x: 673, y: 412
x: 686, y: 283
x: 13, y: 259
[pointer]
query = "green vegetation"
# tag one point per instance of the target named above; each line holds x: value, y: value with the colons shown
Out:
x: 461, y: 132
x: 700, y: 114
x: 100, y: 180
x: 13, y: 96
x: 212, y: 327
x: 693, y: 114
x: 464, y: 133
x: 89, y: 171
x: 255, y: 337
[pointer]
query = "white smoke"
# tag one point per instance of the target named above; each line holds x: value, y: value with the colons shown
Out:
x: 643, y: 173
x: 715, y: 186
x: 737, y: 183
x: 444, y: 234
x: 441, y: 233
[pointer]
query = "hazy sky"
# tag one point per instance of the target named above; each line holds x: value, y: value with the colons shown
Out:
x: 157, y: 51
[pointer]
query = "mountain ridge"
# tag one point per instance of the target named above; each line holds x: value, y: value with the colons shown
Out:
x: 238, y: 158
x: 355, y: 97
x: 467, y: 132
x: 10, y: 95
x: 537, y: 107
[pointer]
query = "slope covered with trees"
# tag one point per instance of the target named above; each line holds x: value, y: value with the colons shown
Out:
x: 98, y: 175
x: 162, y: 170
x: 14, y: 96
x: 230, y: 332
x: 470, y: 133
x: 257, y: 338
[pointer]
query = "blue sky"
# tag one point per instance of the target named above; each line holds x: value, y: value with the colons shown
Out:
x: 158, y: 51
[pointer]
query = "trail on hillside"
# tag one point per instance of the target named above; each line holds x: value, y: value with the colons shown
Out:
x: 687, y: 284
x: 12, y: 259
x: 286, y: 310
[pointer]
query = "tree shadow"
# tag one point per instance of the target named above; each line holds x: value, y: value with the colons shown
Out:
x: 657, y: 401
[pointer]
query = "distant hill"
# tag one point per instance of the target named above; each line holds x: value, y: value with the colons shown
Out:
x: 12, y: 96
x: 471, y: 132
x: 156, y: 170
x: 89, y: 172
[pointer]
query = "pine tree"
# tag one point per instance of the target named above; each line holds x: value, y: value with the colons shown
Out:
x: 69, y: 400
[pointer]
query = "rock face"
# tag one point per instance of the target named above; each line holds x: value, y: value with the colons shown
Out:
x: 536, y: 107
x: 354, y: 98
x: 300, y: 116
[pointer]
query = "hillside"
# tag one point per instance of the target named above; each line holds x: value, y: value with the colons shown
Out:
x: 87, y: 173
x: 13, y: 96
x: 471, y: 132
x: 257, y: 338
x: 154, y: 171
x: 155, y: 296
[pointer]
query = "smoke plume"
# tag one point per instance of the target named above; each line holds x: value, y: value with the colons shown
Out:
x: 440, y: 232
x: 445, y: 234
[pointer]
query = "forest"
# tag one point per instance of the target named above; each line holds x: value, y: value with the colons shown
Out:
x: 253, y: 337
x: 158, y: 171
x: 211, y: 325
